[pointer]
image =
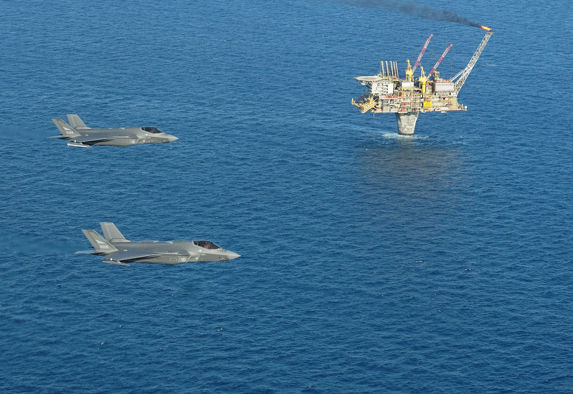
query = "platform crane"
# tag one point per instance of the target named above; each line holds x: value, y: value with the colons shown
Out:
x: 440, y: 60
x: 460, y: 78
x: 419, y: 59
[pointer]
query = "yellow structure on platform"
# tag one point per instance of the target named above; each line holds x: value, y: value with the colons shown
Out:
x: 409, y: 72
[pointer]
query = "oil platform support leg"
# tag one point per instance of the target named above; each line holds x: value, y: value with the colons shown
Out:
x: 407, y: 122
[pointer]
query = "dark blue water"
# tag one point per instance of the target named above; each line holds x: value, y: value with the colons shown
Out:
x: 370, y: 263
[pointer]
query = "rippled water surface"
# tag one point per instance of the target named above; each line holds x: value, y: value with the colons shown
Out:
x: 370, y: 262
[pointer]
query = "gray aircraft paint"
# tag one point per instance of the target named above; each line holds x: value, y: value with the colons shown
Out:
x: 116, y: 249
x: 79, y: 135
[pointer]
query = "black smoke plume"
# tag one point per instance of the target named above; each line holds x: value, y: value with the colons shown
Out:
x: 410, y: 8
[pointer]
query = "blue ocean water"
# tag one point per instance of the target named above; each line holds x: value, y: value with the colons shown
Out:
x: 370, y: 263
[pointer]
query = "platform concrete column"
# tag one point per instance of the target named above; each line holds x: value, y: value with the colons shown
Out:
x: 407, y: 122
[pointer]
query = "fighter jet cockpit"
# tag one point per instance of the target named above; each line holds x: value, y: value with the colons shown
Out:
x: 153, y: 130
x: 206, y: 244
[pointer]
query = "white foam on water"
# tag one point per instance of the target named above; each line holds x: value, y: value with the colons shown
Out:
x: 396, y: 136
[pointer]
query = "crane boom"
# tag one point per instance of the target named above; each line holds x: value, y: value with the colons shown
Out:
x: 422, y: 53
x: 463, y: 75
x: 440, y: 59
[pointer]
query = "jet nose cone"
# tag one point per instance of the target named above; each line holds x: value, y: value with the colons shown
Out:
x: 171, y: 138
x: 232, y: 255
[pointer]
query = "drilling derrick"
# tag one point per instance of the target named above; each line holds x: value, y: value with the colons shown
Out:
x: 386, y: 92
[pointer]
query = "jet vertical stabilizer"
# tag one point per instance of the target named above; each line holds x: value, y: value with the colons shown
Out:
x: 111, y: 233
x: 66, y: 130
x: 76, y: 122
x: 100, y: 245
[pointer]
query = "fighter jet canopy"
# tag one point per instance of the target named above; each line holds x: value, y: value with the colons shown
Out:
x: 206, y: 244
x: 152, y: 130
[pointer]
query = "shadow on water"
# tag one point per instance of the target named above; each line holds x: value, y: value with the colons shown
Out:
x: 411, y: 176
x: 410, y: 164
x: 411, y: 189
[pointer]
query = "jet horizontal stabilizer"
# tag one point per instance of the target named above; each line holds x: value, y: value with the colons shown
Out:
x: 85, y: 252
x: 115, y: 262
x: 78, y: 145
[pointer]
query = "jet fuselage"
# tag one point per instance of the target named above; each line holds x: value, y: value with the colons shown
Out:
x: 79, y: 135
x: 116, y: 249
x: 171, y: 252
x: 123, y: 137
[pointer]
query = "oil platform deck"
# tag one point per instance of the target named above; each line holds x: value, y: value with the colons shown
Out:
x: 408, y: 97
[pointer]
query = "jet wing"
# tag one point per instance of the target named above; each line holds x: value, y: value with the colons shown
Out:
x: 135, y: 256
x: 90, y: 140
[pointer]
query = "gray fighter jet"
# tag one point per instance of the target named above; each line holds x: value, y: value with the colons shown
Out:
x: 117, y: 250
x: 80, y: 135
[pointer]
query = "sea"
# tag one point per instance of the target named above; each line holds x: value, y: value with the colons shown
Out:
x: 370, y: 262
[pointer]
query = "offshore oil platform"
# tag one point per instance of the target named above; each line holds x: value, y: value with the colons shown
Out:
x: 408, y: 97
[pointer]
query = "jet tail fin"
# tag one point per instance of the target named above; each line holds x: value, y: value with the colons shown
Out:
x: 66, y: 130
x: 111, y: 233
x: 76, y: 122
x: 100, y: 245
